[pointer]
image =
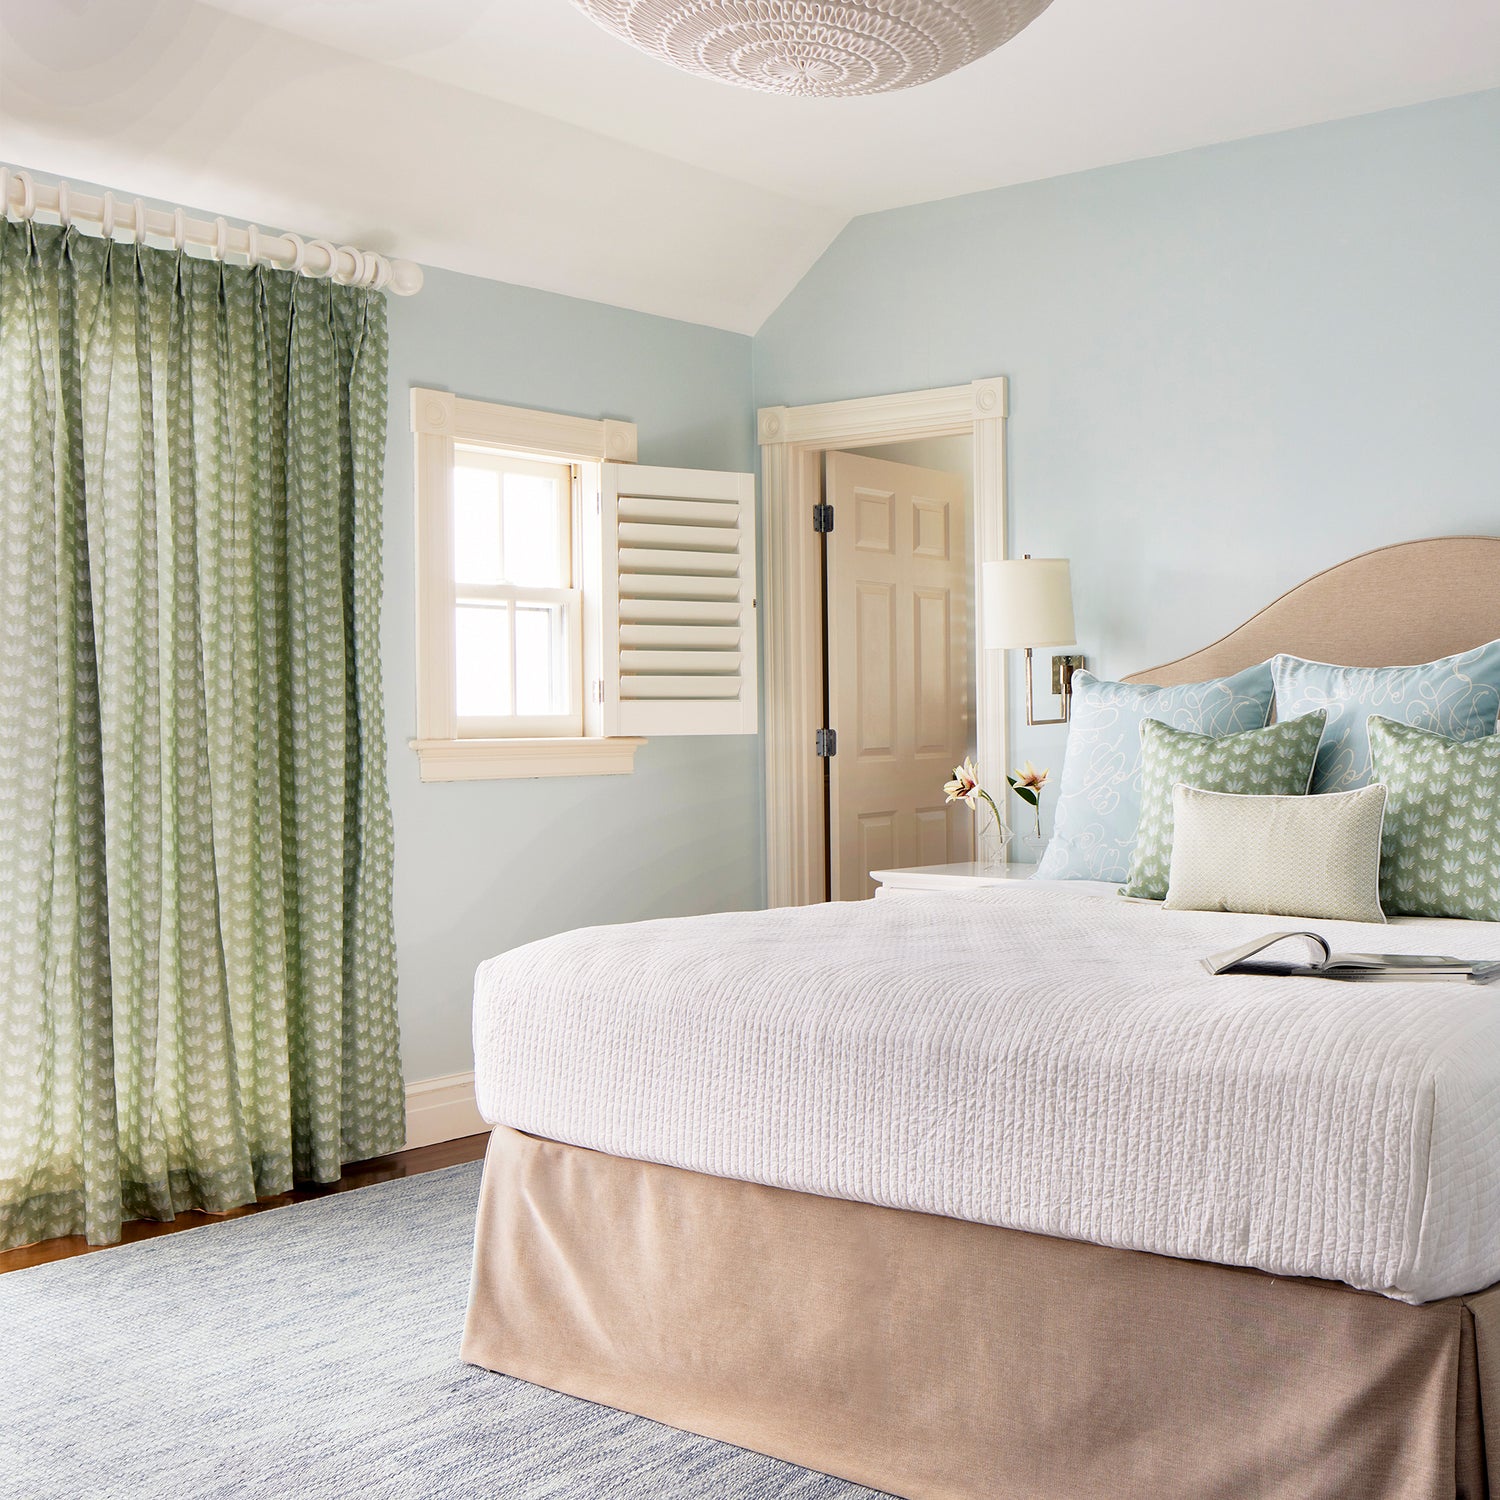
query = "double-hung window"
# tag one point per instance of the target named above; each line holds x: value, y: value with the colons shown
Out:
x: 517, y: 610
x: 569, y: 601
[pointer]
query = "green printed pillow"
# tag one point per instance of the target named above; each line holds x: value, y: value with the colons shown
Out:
x: 1276, y: 761
x: 1441, y: 853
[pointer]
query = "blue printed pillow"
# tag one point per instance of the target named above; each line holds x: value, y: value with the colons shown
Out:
x: 1099, y: 803
x: 1458, y: 696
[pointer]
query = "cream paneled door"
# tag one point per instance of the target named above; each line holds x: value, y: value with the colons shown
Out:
x: 898, y: 668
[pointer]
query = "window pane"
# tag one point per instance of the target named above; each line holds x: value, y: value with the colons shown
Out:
x: 542, y: 656
x: 533, y: 532
x: 482, y: 661
x: 476, y: 525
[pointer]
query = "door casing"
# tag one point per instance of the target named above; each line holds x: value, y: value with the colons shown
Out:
x: 792, y: 442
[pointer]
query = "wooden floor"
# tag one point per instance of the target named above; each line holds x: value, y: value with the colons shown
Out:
x: 356, y: 1175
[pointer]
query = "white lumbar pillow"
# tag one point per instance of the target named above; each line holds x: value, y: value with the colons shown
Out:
x: 1279, y: 856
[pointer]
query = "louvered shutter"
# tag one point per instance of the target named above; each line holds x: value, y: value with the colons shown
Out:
x: 678, y: 601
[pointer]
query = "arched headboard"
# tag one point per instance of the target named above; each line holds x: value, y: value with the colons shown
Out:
x: 1412, y: 602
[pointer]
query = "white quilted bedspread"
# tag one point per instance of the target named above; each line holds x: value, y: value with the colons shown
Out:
x: 1036, y: 1057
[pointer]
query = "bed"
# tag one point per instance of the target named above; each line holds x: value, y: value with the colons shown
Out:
x: 997, y: 1193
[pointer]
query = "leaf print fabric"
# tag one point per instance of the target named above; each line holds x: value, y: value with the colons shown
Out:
x: 1441, y: 851
x: 197, y: 967
x: 1276, y: 761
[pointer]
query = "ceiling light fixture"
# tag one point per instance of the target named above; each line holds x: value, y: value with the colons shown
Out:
x: 818, y: 48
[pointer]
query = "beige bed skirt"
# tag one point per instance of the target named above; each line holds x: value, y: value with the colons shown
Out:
x: 935, y: 1358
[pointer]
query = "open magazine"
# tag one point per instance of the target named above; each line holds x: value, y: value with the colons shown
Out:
x: 1365, y: 968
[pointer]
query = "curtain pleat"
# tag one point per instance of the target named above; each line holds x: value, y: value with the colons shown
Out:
x: 196, y: 946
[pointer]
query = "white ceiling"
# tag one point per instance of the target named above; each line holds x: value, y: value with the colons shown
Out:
x: 514, y: 139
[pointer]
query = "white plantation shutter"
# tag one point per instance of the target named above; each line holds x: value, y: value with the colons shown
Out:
x: 678, y: 601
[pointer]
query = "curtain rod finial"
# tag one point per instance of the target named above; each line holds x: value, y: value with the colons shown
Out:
x: 406, y: 277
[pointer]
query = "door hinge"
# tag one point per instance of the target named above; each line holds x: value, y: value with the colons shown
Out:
x: 598, y: 687
x: 822, y: 518
x: 827, y: 743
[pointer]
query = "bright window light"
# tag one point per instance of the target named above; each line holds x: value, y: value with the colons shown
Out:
x: 517, y: 643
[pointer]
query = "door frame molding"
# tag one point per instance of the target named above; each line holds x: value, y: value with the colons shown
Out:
x: 792, y: 441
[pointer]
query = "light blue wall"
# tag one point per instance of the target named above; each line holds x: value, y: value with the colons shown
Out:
x: 483, y: 866
x: 1230, y: 367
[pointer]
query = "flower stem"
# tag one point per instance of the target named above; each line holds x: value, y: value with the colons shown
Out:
x: 994, y: 811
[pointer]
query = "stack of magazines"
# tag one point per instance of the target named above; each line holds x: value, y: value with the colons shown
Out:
x: 1363, y: 968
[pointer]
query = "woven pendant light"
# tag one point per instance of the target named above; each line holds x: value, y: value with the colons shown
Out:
x: 825, y: 48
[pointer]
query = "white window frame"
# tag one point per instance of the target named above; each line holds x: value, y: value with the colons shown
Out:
x: 569, y: 649
x: 450, y: 749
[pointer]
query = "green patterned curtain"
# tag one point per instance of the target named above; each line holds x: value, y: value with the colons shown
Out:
x: 197, y: 969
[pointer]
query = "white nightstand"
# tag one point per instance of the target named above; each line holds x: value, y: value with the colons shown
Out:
x: 964, y: 876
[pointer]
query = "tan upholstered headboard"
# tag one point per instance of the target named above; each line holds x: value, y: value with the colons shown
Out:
x: 1413, y: 602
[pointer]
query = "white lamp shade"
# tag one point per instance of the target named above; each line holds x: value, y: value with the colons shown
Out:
x: 1028, y: 603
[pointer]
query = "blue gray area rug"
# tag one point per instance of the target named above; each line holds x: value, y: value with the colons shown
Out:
x: 313, y: 1351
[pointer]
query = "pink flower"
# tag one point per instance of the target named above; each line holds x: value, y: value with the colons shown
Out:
x: 1028, y: 776
x: 965, y: 784
x: 1027, y: 784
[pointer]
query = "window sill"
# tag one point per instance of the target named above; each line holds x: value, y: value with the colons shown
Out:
x: 500, y: 760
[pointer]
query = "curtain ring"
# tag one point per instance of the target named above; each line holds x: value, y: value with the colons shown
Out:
x: 4, y: 193
x: 301, y: 250
x: 179, y: 230
x: 382, y: 275
x: 221, y: 238
x: 252, y: 240
x: 357, y: 276
x: 28, y: 193
x: 107, y: 216
x: 64, y: 217
x: 139, y: 209
x: 327, y: 248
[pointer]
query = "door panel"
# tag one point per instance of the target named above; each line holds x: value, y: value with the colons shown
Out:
x: 876, y: 838
x: 931, y: 520
x: 932, y: 669
x: 934, y: 838
x: 898, y: 668
x: 872, y: 519
x: 876, y: 686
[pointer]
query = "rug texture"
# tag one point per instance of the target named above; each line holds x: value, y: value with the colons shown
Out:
x: 313, y: 1351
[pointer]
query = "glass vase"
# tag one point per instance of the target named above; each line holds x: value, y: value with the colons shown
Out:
x: 991, y: 844
x: 1032, y: 843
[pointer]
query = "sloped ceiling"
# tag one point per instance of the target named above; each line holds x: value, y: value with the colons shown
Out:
x: 513, y: 139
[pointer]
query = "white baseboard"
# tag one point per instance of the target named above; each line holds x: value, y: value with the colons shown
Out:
x: 442, y: 1109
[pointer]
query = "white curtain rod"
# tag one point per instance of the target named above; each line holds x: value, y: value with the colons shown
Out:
x: 24, y: 198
